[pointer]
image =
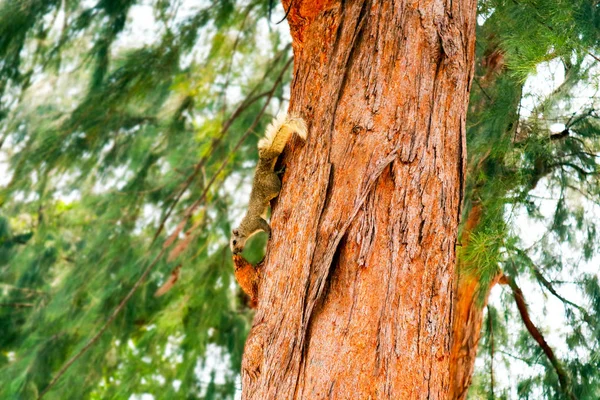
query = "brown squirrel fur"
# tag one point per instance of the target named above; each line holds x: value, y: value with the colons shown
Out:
x: 266, y: 184
x: 265, y: 187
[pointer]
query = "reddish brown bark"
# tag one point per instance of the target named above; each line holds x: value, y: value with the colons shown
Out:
x: 357, y: 286
x: 466, y: 332
x: 468, y: 315
x: 248, y: 277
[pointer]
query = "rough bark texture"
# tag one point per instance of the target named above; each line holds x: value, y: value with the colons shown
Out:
x: 358, y: 283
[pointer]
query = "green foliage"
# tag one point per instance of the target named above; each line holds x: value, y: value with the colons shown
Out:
x: 538, y: 193
x: 103, y: 139
x: 111, y: 142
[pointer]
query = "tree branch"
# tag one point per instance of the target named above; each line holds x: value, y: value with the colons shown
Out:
x: 482, y: 89
x: 178, y: 249
x: 97, y: 336
x: 491, y: 332
x: 545, y: 282
x: 17, y: 305
x: 560, y: 135
x: 594, y: 56
x: 548, y: 285
x: 149, y: 268
x: 216, y: 141
x: 577, y: 168
x: 563, y: 377
x: 21, y: 289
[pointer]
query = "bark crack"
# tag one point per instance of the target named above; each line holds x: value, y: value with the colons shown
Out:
x: 323, y: 264
x: 348, y: 62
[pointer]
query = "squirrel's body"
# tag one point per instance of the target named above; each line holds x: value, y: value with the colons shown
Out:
x: 266, y: 184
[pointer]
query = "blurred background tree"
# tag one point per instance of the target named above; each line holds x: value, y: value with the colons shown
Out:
x: 128, y: 132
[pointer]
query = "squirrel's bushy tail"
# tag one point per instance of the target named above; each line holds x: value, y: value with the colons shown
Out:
x: 278, y: 133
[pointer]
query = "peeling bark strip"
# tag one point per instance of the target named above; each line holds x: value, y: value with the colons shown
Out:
x: 357, y: 286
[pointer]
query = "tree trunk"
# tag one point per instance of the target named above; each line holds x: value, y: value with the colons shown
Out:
x: 357, y: 286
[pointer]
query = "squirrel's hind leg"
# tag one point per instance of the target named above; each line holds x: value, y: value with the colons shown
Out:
x: 264, y: 225
x: 273, y: 186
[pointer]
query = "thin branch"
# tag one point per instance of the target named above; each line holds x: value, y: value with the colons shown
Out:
x: 202, y: 197
x: 491, y: 331
x: 104, y: 327
x: 17, y: 305
x: 233, y: 51
x: 518, y: 118
x: 563, y: 377
x: 551, y: 289
x: 548, y: 285
x: 580, y: 154
x: 149, y: 268
x: 216, y: 141
x: 577, y: 168
x: 526, y: 361
x: 286, y: 13
x: 482, y: 89
x: 545, y: 282
x: 22, y: 289
x: 594, y: 56
x: 576, y: 118
x: 561, y: 282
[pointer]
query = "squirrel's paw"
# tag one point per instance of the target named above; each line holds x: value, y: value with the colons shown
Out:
x: 280, y: 171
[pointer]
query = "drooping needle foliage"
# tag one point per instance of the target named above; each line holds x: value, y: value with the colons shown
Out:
x: 128, y: 135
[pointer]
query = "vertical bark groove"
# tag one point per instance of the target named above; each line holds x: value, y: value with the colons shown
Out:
x: 359, y: 276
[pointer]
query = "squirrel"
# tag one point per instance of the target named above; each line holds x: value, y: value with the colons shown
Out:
x: 266, y: 184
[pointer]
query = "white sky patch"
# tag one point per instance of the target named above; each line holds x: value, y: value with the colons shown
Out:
x: 143, y: 396
x: 176, y: 384
x: 237, y: 187
x: 142, y: 29
x: 548, y: 77
x: 64, y: 186
x: 150, y: 216
x: 201, y: 49
x: 70, y: 196
x: 173, y: 352
x: 20, y: 197
x: 132, y: 347
x: 189, y: 8
x: 481, y: 18
x: 238, y: 387
x: 557, y: 128
x: 116, y: 178
x: 217, y: 362
x: 159, y: 378
x: 5, y: 174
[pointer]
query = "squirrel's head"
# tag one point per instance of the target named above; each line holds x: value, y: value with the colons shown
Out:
x: 237, y: 242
